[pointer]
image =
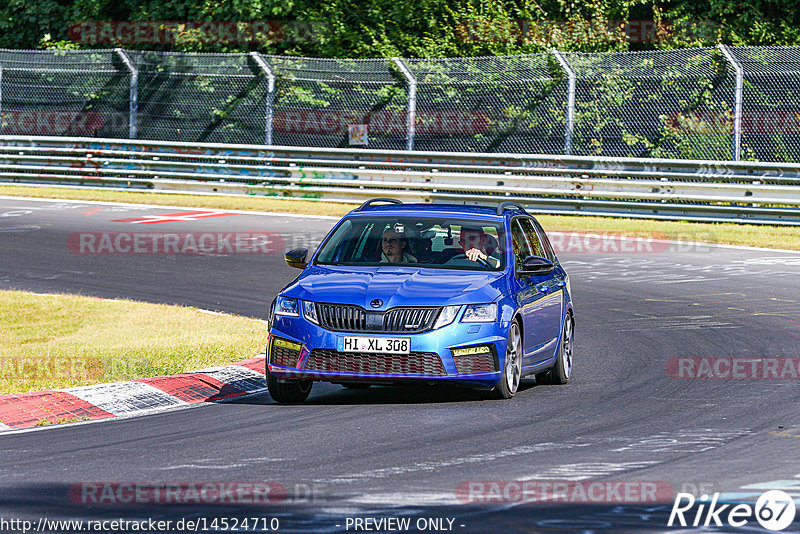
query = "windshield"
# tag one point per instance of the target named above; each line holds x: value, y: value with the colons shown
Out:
x: 421, y: 242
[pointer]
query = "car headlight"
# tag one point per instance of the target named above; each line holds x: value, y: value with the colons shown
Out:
x: 480, y: 313
x: 446, y: 316
x: 310, y: 311
x: 286, y: 306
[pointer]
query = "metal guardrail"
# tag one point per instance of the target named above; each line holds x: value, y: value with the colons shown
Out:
x: 765, y: 193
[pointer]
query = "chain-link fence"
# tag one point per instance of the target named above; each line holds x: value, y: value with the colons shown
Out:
x: 698, y: 103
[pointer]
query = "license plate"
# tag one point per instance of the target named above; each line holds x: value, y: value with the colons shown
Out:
x: 377, y: 345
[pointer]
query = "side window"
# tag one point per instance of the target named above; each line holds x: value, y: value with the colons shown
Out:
x: 533, y: 238
x: 521, y: 248
x: 548, y: 248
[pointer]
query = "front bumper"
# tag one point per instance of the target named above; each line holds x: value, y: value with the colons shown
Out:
x: 303, y: 345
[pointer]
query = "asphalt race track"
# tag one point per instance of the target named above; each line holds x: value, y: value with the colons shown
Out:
x: 426, y: 454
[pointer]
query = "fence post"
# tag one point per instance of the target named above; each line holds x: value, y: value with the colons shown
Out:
x: 265, y: 68
x: 737, y: 106
x: 411, y: 116
x: 570, y: 126
x: 133, y: 109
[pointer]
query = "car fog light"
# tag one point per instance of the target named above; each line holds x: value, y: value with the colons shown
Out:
x: 483, y: 349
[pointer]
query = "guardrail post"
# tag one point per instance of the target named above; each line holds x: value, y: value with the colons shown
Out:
x: 411, y: 116
x: 570, y: 126
x: 737, y: 106
x: 133, y: 98
x: 1, y: 98
x: 268, y: 118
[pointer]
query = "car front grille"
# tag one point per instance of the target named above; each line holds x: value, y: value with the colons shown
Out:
x: 348, y: 318
x: 284, y: 353
x: 475, y: 363
x: 415, y: 363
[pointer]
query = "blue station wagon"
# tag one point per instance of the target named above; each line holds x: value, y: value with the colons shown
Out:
x: 423, y: 293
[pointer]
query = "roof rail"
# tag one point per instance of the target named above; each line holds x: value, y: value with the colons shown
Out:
x: 371, y: 201
x: 508, y: 205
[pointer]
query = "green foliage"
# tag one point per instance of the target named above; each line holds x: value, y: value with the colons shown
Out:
x: 609, y: 104
x: 384, y: 28
x: 707, y: 22
x: 426, y: 28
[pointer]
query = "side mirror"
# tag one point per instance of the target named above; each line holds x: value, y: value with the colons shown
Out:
x: 296, y: 258
x: 535, y: 266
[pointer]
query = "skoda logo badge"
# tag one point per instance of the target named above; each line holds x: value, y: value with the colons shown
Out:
x: 376, y: 303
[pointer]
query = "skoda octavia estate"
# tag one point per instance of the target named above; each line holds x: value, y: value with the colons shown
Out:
x: 423, y: 293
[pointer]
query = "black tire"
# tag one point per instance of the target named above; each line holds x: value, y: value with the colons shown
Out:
x: 562, y: 370
x: 512, y: 368
x: 292, y: 392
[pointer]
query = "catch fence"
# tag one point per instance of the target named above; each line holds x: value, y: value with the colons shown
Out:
x: 723, y: 103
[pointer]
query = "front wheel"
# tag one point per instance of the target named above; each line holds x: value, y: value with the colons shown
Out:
x: 512, y: 368
x: 292, y: 392
x: 562, y: 370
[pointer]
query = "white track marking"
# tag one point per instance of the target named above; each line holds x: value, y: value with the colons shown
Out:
x: 398, y: 499
x: 231, y: 373
x: 121, y: 398
x: 689, y: 441
x: 439, y: 464
x: 166, y: 206
x: 585, y: 470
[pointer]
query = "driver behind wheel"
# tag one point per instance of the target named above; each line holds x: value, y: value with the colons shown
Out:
x: 479, y: 246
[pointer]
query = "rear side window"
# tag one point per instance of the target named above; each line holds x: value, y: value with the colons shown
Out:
x: 533, y: 239
x: 548, y: 248
x: 520, y: 243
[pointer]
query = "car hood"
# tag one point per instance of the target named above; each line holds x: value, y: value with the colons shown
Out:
x: 396, y: 286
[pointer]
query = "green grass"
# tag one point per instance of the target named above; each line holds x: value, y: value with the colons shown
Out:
x: 45, y: 422
x: 786, y: 237
x: 56, y: 341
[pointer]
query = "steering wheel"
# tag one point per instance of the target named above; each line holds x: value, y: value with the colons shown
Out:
x: 464, y: 257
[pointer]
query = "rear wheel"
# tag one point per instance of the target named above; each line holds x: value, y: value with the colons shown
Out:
x: 292, y: 392
x: 512, y: 367
x: 562, y: 370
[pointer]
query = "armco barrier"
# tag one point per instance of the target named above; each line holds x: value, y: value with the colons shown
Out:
x: 766, y: 193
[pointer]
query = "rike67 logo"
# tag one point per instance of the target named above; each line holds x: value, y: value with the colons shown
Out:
x: 774, y: 510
